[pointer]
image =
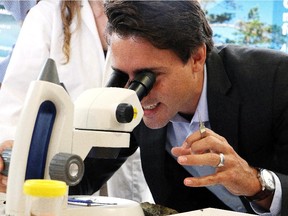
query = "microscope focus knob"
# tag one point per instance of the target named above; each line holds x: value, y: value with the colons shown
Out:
x: 66, y: 167
x: 125, y: 113
x: 6, y: 157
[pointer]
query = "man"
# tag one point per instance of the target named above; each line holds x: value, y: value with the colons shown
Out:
x: 240, y: 95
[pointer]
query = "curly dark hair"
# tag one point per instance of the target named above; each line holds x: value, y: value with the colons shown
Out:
x: 180, y: 26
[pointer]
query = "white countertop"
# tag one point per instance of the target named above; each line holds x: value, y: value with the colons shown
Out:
x: 202, y: 212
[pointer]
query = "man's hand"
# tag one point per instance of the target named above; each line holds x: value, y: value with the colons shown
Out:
x: 3, y: 179
x: 236, y: 175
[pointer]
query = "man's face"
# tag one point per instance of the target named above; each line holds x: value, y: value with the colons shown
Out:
x: 177, y: 87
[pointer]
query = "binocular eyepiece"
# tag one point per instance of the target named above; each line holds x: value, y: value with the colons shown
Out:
x: 142, y: 83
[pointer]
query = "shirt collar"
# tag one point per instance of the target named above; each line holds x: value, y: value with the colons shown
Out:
x: 202, y: 107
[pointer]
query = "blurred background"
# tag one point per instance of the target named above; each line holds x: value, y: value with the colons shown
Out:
x: 9, y: 29
x: 262, y: 23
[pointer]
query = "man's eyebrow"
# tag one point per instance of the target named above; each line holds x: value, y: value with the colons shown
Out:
x: 151, y: 69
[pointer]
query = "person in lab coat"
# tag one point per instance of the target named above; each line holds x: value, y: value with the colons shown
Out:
x: 72, y: 34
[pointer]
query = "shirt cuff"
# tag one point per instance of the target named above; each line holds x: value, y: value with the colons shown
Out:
x: 275, y: 208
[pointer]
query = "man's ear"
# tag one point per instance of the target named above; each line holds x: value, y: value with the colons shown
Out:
x: 198, y: 58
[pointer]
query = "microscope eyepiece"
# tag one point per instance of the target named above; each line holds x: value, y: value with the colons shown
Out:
x: 117, y: 79
x: 142, y: 83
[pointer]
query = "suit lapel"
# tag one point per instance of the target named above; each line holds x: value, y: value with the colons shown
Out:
x: 223, y: 100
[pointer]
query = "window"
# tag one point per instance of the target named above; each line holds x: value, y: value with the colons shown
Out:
x: 261, y: 23
x: 9, y: 30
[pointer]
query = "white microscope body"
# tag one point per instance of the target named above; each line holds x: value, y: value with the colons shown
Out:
x: 51, y: 127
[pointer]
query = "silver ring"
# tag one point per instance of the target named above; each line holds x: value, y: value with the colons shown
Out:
x: 222, y: 160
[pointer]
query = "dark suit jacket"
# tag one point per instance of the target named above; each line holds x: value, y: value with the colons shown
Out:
x: 247, y: 91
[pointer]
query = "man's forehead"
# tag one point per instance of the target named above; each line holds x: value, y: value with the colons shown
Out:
x: 128, y: 54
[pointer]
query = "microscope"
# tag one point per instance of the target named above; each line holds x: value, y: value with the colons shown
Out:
x: 55, y: 134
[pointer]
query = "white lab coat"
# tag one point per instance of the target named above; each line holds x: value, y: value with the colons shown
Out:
x: 41, y: 37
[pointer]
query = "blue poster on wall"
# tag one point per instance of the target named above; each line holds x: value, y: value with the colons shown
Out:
x: 261, y: 23
x: 9, y: 30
